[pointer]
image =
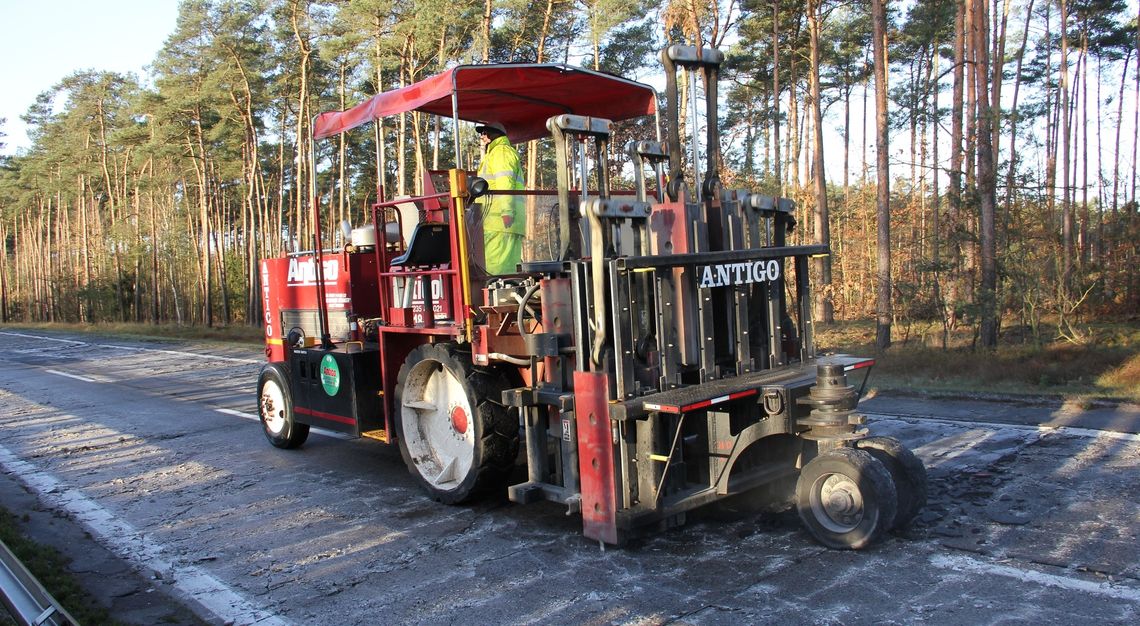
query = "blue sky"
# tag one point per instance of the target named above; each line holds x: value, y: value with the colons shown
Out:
x: 45, y: 40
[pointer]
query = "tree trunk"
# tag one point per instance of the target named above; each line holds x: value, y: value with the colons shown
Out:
x: 776, y: 97
x: 3, y: 272
x: 936, y: 203
x: 1119, y: 125
x: 1083, y: 231
x: 954, y: 190
x: 402, y: 124
x: 1014, y: 115
x: 925, y: 90
x: 154, y: 276
x: 378, y: 127
x: 883, y: 316
x: 203, y: 240
x: 966, y: 229
x: 137, y: 281
x: 341, y: 149
x: 794, y: 130
x: 85, y: 314
x: 998, y: 74
x: 1052, y: 122
x: 1066, y: 207
x: 301, y: 193
x: 824, y: 307
x: 529, y: 252
x: 486, y: 35
x: 1136, y: 113
x: 847, y: 144
x: 1097, y: 248
x: 218, y: 237
x: 986, y: 121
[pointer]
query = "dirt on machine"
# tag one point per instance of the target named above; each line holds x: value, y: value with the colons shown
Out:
x: 652, y: 353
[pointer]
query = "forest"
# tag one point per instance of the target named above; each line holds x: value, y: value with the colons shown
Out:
x: 971, y: 163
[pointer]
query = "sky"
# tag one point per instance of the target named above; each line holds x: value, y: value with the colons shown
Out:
x: 45, y: 40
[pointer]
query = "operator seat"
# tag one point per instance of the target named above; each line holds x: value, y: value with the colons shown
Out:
x: 430, y: 244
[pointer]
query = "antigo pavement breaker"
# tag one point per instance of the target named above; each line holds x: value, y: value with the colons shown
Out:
x: 651, y: 354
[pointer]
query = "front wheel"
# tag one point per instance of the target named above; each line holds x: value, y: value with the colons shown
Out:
x: 846, y: 498
x: 455, y: 435
x: 907, y: 471
x: 275, y: 407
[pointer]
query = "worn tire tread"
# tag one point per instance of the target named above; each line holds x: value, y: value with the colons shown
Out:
x: 496, y: 448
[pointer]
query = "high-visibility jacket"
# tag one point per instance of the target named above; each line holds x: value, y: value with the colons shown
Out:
x: 500, y: 168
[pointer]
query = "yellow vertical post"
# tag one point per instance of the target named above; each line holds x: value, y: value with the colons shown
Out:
x: 458, y: 179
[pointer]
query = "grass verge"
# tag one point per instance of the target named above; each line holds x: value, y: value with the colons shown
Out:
x: 1106, y: 364
x: 234, y: 333
x: 49, y: 566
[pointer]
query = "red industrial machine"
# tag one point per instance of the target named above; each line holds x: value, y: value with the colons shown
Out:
x: 653, y: 352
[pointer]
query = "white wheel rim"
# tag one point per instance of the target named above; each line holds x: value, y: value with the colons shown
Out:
x: 837, y: 503
x: 438, y: 425
x: 273, y: 407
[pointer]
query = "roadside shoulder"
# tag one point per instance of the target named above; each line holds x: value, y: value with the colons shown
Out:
x: 110, y: 584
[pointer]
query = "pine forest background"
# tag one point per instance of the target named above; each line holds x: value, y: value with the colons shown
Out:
x: 996, y: 187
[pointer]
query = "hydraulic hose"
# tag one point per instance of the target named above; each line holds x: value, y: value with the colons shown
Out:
x: 598, y: 278
x: 523, y: 307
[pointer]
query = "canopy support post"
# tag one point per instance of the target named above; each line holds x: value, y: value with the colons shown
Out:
x: 322, y: 304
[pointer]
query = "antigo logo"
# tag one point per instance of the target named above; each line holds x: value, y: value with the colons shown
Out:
x: 726, y: 274
x: 266, y: 311
x: 330, y: 375
x: 303, y: 272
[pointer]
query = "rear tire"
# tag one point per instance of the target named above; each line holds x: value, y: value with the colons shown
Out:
x: 455, y: 435
x: 908, y: 472
x: 275, y: 408
x: 846, y: 498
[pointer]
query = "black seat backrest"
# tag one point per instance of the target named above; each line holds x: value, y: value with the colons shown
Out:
x: 430, y: 244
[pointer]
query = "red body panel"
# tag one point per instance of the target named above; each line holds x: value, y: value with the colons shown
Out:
x: 289, y: 293
x: 595, y: 456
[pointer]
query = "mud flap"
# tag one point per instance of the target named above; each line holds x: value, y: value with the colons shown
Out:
x: 595, y: 456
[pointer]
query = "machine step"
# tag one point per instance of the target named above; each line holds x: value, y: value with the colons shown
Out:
x: 379, y: 434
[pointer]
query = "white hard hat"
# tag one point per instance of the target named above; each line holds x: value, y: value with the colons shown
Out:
x: 483, y: 127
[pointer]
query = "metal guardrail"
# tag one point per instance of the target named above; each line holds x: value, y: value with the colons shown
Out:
x: 27, y: 600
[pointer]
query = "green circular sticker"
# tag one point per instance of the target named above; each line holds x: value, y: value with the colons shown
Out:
x: 330, y: 375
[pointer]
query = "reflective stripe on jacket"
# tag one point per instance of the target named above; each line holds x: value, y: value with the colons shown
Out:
x: 500, y: 168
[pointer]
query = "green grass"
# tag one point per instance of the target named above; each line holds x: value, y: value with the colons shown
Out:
x: 1105, y: 363
x: 49, y: 566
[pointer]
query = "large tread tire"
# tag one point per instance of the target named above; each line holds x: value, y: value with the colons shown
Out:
x: 846, y: 498
x: 908, y: 472
x: 452, y: 464
x: 275, y: 408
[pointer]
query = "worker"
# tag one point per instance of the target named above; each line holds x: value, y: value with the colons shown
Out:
x: 504, y: 219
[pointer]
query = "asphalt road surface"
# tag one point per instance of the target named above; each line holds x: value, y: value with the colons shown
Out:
x: 152, y: 449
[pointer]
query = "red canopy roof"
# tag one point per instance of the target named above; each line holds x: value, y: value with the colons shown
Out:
x: 520, y: 97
